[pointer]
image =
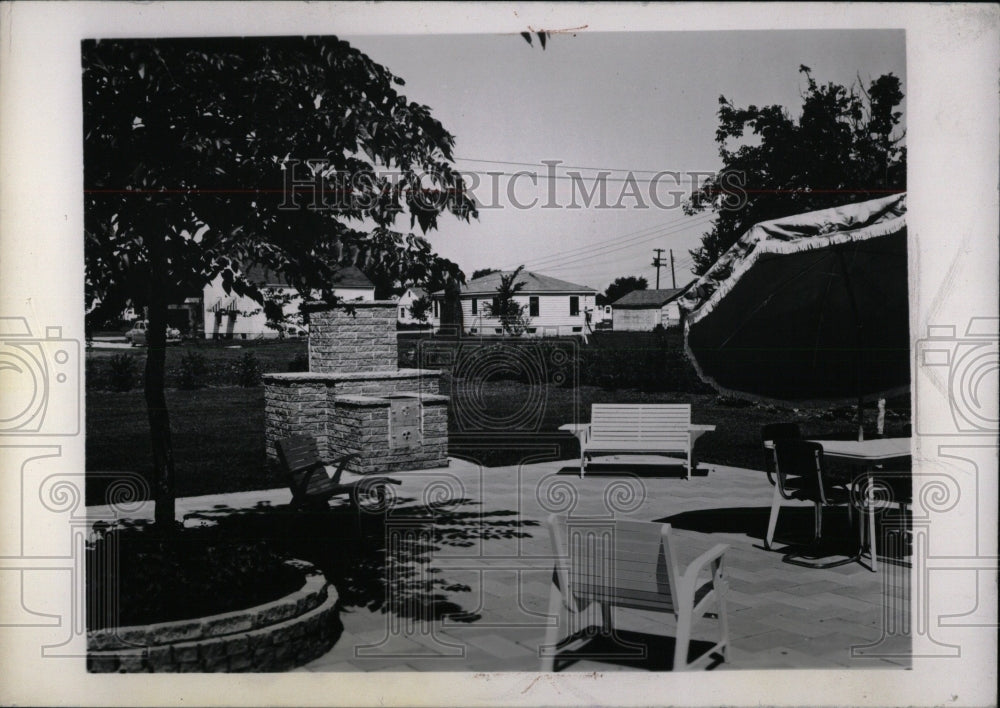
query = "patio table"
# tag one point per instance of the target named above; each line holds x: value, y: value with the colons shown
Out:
x: 866, y: 454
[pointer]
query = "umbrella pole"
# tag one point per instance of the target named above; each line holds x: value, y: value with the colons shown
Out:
x: 858, y: 336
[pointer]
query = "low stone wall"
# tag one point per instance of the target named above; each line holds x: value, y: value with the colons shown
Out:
x: 277, y: 636
x: 360, y: 426
x: 300, y: 403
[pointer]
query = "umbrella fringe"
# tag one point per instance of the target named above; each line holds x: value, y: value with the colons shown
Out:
x: 761, y: 240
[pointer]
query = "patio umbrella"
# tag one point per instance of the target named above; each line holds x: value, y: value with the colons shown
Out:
x: 807, y: 309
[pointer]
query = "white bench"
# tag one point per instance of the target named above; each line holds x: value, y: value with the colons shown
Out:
x: 638, y: 429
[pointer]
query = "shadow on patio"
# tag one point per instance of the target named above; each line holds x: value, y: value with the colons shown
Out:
x: 377, y: 560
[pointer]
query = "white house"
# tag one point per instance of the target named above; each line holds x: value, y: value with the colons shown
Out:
x: 405, y: 302
x: 230, y: 316
x: 553, y: 307
x: 642, y: 310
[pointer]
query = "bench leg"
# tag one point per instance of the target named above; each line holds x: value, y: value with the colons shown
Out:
x: 583, y: 463
x: 683, y: 640
x: 872, y: 546
x: 548, y: 649
x: 772, y: 521
x: 607, y: 618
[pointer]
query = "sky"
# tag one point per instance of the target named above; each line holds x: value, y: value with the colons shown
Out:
x: 629, y: 102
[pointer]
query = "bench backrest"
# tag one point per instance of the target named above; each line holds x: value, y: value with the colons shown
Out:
x: 630, y: 424
x: 623, y: 563
x: 298, y: 455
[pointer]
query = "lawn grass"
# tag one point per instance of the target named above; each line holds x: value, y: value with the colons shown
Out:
x: 221, y: 359
x: 217, y: 436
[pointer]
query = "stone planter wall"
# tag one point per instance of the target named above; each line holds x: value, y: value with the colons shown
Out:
x: 276, y: 636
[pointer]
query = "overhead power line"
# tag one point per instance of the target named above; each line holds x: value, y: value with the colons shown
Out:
x: 546, y: 175
x: 638, y: 236
x: 564, y: 167
x: 613, y: 248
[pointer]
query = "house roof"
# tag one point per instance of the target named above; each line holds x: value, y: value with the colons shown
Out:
x: 534, y: 284
x: 417, y: 292
x: 346, y: 277
x: 640, y: 299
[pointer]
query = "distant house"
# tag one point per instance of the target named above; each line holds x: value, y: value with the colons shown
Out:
x: 230, y: 316
x: 554, y: 307
x: 602, y: 315
x: 405, y: 302
x: 642, y: 310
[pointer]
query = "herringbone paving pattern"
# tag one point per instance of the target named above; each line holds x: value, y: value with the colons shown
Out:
x: 781, y: 615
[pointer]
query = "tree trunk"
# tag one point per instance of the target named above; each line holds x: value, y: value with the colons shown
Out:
x: 156, y: 401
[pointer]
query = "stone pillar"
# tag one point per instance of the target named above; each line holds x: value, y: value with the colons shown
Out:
x: 356, y: 336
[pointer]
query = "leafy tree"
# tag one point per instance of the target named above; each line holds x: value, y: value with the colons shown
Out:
x: 509, y: 311
x: 195, y: 166
x: 420, y: 309
x: 484, y: 271
x: 846, y: 146
x: 395, y: 264
x: 621, y: 287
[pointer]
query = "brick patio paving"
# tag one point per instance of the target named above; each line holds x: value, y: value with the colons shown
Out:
x: 492, y: 558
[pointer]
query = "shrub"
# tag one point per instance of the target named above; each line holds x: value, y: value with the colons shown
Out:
x: 189, y: 574
x: 649, y: 361
x: 300, y: 362
x: 122, y: 371
x: 733, y: 401
x: 248, y: 372
x: 192, y: 371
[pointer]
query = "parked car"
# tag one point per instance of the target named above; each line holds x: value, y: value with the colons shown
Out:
x: 137, y: 335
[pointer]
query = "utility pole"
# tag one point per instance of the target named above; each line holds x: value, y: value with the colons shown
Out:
x: 673, y: 278
x: 658, y: 262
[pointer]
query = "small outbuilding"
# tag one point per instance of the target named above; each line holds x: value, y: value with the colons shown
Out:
x: 643, y: 310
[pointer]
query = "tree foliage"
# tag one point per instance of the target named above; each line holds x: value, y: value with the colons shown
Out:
x: 483, y: 271
x: 190, y: 147
x: 846, y: 146
x: 506, y: 308
x: 621, y: 287
x: 420, y: 308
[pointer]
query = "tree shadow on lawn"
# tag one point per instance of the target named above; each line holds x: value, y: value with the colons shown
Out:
x: 377, y: 560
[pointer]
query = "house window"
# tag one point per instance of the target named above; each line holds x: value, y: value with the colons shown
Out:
x: 475, y: 306
x: 574, y: 306
x: 532, y: 330
x: 496, y: 307
x: 402, y: 312
x: 578, y: 329
x: 436, y: 313
x: 472, y: 330
x: 498, y: 330
x: 533, y: 306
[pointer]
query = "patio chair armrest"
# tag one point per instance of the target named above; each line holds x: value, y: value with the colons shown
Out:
x: 695, y: 567
x: 299, y: 490
x: 341, y: 466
